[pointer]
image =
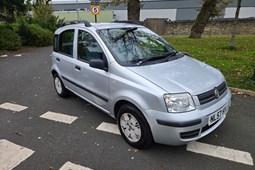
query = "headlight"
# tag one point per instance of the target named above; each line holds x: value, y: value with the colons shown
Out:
x: 179, y: 102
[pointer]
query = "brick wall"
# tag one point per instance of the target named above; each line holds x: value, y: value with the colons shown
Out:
x: 215, y: 27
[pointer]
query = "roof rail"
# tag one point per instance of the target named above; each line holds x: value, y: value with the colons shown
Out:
x: 128, y: 22
x: 86, y: 23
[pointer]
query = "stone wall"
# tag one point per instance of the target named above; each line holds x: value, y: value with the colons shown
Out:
x: 214, y: 27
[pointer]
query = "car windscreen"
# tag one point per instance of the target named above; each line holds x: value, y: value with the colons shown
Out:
x: 132, y: 46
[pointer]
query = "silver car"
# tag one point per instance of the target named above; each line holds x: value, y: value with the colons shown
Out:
x: 156, y: 93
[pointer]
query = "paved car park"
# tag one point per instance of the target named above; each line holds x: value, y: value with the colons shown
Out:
x: 40, y: 130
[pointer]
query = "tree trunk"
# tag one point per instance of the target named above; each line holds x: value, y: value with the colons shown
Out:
x: 202, y: 18
x: 134, y: 10
x: 233, y: 37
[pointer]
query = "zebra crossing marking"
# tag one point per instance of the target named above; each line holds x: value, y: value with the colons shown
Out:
x: 70, y: 166
x: 12, y: 154
x: 18, y: 55
x: 58, y: 117
x: 13, y: 107
x: 221, y: 152
x: 109, y: 127
x: 4, y: 55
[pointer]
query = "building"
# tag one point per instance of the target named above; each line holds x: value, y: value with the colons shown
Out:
x: 174, y: 10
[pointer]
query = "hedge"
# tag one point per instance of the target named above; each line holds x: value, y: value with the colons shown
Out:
x: 35, y: 35
x: 9, y: 40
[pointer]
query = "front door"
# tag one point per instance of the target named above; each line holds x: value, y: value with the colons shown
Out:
x: 92, y: 83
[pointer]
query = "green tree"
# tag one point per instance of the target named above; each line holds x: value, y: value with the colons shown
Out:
x: 210, y: 8
x: 8, y: 8
x: 133, y: 7
x: 43, y: 15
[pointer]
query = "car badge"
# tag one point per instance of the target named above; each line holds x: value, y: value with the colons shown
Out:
x: 216, y: 93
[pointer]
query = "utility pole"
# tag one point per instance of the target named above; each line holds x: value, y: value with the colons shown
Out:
x: 77, y: 7
x: 95, y: 15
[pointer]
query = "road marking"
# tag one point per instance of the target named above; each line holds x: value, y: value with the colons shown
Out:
x: 221, y: 152
x: 109, y: 127
x: 71, y: 166
x: 5, y: 55
x: 13, y: 107
x: 17, y: 55
x: 12, y: 155
x: 59, y: 117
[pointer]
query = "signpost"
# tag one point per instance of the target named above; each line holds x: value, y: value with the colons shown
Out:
x: 95, y: 8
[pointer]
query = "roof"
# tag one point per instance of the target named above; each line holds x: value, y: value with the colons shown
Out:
x: 110, y: 25
x: 114, y: 25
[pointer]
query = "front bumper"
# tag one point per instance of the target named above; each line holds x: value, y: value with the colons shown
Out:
x: 181, y: 128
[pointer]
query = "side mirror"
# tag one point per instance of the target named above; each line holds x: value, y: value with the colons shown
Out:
x: 98, y: 63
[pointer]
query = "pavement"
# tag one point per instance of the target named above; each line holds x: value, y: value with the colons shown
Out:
x: 39, y: 130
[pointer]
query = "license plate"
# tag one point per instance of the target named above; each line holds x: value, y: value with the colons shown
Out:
x: 217, y: 115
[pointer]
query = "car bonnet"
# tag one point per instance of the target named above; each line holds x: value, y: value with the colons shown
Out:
x: 182, y: 75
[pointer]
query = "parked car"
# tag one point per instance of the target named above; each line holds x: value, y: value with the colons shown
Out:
x: 156, y: 93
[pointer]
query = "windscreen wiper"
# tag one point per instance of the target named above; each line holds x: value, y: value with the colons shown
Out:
x: 171, y: 55
x: 126, y: 31
x: 166, y: 56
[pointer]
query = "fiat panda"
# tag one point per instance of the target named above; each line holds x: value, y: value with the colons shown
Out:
x: 155, y: 93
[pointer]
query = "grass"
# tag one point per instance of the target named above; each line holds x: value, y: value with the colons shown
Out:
x: 236, y: 64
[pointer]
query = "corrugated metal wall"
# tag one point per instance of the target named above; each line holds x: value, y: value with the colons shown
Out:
x: 173, y: 9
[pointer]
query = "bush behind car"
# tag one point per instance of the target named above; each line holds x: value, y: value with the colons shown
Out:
x: 9, y: 40
x: 35, y: 35
x: 14, y: 36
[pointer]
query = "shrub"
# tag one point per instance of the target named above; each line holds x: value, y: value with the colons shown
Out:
x: 35, y: 35
x: 14, y: 27
x: 43, y: 16
x: 9, y: 40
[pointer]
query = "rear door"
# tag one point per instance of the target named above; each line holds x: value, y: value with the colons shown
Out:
x: 63, y: 56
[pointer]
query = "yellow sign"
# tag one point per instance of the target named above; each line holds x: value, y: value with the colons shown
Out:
x: 95, y: 9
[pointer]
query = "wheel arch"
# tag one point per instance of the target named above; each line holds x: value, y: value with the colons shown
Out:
x: 120, y: 103
x: 54, y: 72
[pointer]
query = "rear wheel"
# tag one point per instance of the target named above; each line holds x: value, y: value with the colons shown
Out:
x: 59, y: 87
x: 134, y: 127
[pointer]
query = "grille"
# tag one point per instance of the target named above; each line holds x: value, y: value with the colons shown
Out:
x: 190, y: 134
x: 210, y: 95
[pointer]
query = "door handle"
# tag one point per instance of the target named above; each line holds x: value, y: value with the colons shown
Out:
x: 77, y: 67
x: 58, y: 59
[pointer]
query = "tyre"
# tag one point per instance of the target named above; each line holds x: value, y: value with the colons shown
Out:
x: 59, y: 87
x: 134, y: 127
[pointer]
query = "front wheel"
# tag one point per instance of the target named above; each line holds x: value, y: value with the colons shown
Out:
x: 134, y: 127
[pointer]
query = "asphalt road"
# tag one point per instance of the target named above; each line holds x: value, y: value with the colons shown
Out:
x: 26, y: 80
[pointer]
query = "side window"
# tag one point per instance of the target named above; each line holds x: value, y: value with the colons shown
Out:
x: 88, y: 47
x: 66, y: 42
